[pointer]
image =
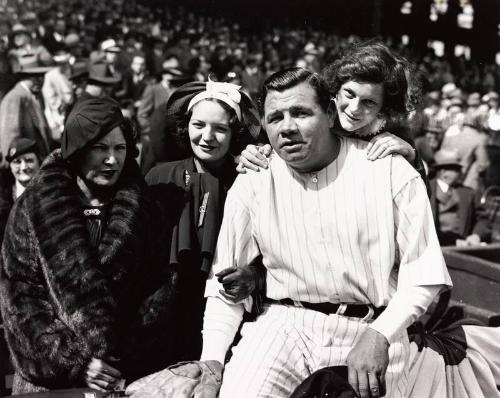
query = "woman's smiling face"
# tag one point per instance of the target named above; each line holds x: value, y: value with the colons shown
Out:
x: 358, y: 104
x: 209, y: 132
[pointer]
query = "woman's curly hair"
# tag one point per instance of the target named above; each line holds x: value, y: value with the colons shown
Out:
x: 373, y: 62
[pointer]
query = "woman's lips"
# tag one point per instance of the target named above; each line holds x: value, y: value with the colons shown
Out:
x: 108, y: 173
x: 207, y: 148
x: 351, y: 118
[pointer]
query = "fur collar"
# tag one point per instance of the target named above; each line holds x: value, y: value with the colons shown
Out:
x: 73, y: 268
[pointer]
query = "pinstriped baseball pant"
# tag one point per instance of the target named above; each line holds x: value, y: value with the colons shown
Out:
x: 286, y: 344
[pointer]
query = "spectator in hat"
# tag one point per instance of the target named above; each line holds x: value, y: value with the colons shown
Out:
x: 452, y: 204
x: 108, y: 55
x: 102, y: 311
x: 428, y: 144
x: 164, y: 146
x: 21, y: 110
x: 25, y: 50
x: 491, y: 99
x: 78, y: 77
x: 155, y: 56
x: 24, y: 162
x: 74, y: 45
x: 99, y: 82
x: 469, y: 140
x: 57, y: 92
x: 135, y: 80
x: 473, y: 102
x: 155, y: 95
x: 252, y: 77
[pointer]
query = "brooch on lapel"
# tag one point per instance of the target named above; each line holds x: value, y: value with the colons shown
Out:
x: 92, y: 212
x: 203, y: 208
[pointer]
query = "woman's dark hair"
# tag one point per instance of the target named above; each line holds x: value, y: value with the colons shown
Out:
x: 373, y: 62
x: 291, y: 77
x: 240, y: 136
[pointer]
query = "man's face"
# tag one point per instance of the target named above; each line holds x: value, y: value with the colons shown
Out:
x: 297, y: 126
x: 36, y: 83
x: 138, y: 65
x: 110, y: 56
x: 20, y: 39
x: 60, y: 26
x: 449, y: 175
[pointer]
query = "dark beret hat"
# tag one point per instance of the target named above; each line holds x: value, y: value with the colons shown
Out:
x: 89, y: 121
x: 20, y: 146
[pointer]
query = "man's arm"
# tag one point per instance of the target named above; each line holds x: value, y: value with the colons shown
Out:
x: 220, y: 325
x: 236, y: 247
x: 422, y: 275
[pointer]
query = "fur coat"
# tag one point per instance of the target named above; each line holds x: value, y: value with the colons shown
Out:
x: 64, y: 302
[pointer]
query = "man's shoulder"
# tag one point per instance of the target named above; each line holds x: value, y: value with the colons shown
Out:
x: 16, y: 93
x: 259, y: 181
x: 353, y: 145
x: 402, y: 172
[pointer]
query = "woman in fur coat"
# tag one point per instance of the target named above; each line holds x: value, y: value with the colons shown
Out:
x: 85, y: 297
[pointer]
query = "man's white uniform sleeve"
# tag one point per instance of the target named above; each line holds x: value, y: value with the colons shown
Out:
x: 422, y: 271
x: 236, y: 246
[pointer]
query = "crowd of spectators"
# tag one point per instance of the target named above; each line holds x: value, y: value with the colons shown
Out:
x: 138, y: 54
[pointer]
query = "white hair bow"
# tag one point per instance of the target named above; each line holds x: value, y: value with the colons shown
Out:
x: 226, y: 92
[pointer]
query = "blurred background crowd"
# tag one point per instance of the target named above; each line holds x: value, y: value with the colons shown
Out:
x: 56, y: 52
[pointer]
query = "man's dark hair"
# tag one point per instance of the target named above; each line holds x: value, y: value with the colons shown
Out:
x: 373, y: 62
x: 291, y: 77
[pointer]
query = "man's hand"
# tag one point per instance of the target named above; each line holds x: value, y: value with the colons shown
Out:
x: 101, y: 376
x: 253, y: 157
x: 386, y: 143
x: 238, y: 282
x: 367, y: 363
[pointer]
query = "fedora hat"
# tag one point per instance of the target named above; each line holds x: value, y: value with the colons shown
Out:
x: 177, y: 75
x: 446, y: 159
x: 28, y: 64
x: 62, y: 56
x: 98, y: 73
x: 110, y: 45
x: 79, y: 69
x: 19, y: 28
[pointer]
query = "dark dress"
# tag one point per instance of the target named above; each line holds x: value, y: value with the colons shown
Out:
x: 193, y: 203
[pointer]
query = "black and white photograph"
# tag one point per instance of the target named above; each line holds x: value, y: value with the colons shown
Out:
x: 250, y: 199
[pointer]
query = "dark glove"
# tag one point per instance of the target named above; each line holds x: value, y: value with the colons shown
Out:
x: 240, y: 282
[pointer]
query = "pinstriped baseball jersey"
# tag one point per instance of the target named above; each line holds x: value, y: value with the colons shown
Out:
x: 349, y: 233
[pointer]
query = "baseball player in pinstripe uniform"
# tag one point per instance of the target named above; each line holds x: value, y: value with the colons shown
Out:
x: 350, y: 248
x: 341, y: 237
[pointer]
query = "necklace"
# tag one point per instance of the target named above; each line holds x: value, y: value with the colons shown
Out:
x: 372, y: 129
